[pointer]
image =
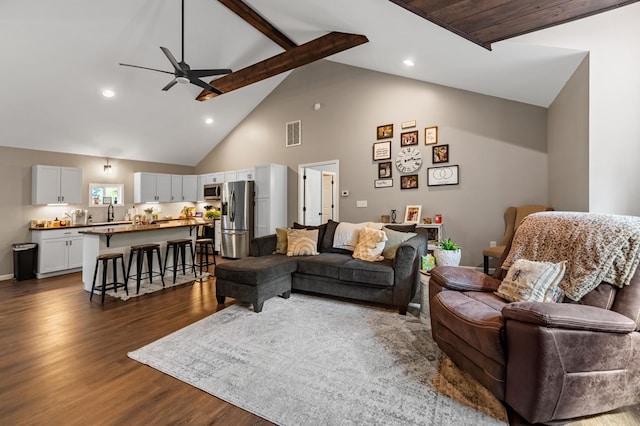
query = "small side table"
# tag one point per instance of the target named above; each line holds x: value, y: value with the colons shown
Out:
x: 425, y: 317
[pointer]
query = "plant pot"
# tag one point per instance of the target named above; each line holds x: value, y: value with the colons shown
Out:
x: 447, y: 257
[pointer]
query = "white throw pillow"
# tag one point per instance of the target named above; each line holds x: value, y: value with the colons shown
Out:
x: 394, y: 239
x: 529, y: 281
x: 346, y: 235
x: 370, y: 245
x: 302, y: 242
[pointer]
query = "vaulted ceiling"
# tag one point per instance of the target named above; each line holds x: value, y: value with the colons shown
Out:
x: 57, y: 57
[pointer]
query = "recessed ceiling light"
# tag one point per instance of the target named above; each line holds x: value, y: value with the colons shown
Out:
x: 408, y: 62
x: 108, y: 93
x: 208, y: 120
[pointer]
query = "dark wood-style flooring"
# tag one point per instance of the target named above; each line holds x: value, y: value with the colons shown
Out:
x: 63, y: 360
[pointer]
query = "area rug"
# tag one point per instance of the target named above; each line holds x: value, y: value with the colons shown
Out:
x: 316, y: 361
x: 147, y: 287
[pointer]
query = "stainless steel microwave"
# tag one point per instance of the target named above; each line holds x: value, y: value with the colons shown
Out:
x: 212, y: 191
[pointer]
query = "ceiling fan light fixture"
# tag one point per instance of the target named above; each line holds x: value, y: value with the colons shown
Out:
x: 182, y: 80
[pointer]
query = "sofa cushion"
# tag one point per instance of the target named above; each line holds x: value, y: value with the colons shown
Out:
x: 473, y: 321
x: 325, y: 265
x: 281, y: 241
x: 302, y: 242
x: 347, y: 235
x: 401, y: 228
x: 327, y: 241
x: 394, y: 239
x: 379, y: 274
x: 256, y: 270
x: 322, y: 229
x: 370, y: 245
x: 529, y: 281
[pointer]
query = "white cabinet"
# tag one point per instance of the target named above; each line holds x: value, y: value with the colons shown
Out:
x: 55, y: 185
x: 190, y: 188
x: 231, y: 176
x: 245, y: 174
x: 176, y: 188
x: 151, y: 187
x: 271, y: 198
x: 59, y: 250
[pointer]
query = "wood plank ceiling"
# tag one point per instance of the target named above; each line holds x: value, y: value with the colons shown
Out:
x: 489, y: 21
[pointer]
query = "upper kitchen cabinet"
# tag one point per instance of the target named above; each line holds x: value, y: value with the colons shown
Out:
x: 190, y: 188
x: 151, y: 187
x: 56, y: 185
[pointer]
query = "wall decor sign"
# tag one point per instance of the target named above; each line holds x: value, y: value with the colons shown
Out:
x: 408, y: 124
x: 382, y: 151
x: 385, y: 132
x: 445, y: 175
x: 384, y: 170
x: 440, y: 154
x: 409, y: 182
x: 431, y: 135
x: 412, y: 214
x: 383, y: 183
x: 409, y: 138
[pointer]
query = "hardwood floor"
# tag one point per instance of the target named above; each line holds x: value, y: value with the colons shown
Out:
x: 63, y: 359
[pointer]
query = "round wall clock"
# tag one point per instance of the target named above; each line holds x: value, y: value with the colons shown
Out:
x: 409, y: 160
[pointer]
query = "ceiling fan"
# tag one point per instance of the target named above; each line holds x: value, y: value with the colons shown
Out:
x: 183, y: 72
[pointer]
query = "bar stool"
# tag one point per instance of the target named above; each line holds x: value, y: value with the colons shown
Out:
x: 114, y: 285
x: 139, y: 251
x: 180, y: 246
x: 202, y: 246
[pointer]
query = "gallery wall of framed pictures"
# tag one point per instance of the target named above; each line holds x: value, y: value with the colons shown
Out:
x: 409, y: 157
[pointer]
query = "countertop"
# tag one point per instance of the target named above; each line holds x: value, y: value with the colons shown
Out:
x: 89, y: 225
x: 178, y: 223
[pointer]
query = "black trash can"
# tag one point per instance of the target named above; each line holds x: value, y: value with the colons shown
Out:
x: 25, y: 256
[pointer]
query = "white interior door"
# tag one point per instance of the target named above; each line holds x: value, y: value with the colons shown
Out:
x: 312, y: 207
x: 328, y: 196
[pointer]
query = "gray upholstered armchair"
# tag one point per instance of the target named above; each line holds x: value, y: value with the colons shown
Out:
x: 547, y: 361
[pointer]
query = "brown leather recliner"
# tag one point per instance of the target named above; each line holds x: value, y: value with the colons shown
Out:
x: 546, y: 361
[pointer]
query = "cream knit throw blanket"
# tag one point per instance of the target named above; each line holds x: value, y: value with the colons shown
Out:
x: 597, y: 247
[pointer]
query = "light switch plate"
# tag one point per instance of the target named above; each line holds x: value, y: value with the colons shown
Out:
x: 361, y: 203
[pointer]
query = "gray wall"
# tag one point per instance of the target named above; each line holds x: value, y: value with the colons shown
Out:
x: 499, y: 145
x: 16, y: 209
x: 568, y: 140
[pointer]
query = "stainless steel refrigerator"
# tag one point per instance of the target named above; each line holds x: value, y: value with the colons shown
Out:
x: 237, y: 204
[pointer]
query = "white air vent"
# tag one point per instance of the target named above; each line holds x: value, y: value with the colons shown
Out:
x: 293, y: 134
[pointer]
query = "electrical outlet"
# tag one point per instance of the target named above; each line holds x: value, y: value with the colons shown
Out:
x: 361, y: 203
x: 492, y: 244
x: 345, y: 193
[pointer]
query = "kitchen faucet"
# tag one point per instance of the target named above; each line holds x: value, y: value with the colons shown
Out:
x: 110, y: 215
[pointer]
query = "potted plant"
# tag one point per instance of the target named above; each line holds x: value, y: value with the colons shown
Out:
x: 447, y: 253
x: 149, y: 214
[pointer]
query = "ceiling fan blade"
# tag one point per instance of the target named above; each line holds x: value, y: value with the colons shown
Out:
x: 207, y: 73
x: 170, y: 85
x: 173, y: 61
x: 205, y: 86
x: 146, y: 68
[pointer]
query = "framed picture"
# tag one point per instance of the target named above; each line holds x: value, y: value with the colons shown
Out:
x: 106, y: 200
x: 383, y: 183
x: 384, y: 170
x: 409, y: 138
x: 408, y: 124
x: 412, y: 214
x: 440, y: 154
x: 445, y: 175
x: 409, y: 182
x: 385, y: 132
x: 431, y: 135
x: 382, y: 151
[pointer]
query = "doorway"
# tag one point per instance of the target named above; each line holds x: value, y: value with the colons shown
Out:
x: 318, y: 192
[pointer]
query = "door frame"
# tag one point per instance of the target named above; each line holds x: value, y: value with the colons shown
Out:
x: 334, y: 164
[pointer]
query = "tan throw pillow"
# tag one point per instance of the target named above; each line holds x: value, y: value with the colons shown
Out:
x: 302, y: 242
x: 394, y: 239
x: 281, y: 241
x: 370, y: 245
x: 529, y: 281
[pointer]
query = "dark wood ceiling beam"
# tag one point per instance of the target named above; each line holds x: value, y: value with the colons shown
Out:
x: 322, y: 47
x: 256, y: 20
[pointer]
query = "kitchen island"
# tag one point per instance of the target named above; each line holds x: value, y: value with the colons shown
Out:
x: 119, y: 238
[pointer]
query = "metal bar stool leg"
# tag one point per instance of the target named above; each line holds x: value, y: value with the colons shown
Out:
x: 95, y: 275
x: 105, y: 265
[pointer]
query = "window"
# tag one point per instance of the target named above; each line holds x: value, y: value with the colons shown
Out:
x: 103, y: 194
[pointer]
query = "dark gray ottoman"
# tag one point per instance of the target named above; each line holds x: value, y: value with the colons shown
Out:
x: 255, y: 279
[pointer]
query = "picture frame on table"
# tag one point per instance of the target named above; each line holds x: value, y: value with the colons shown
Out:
x: 445, y: 175
x: 431, y: 135
x: 383, y: 183
x: 409, y: 138
x: 385, y: 131
x: 384, y: 170
x: 412, y: 214
x: 409, y: 182
x: 440, y: 154
x: 382, y: 151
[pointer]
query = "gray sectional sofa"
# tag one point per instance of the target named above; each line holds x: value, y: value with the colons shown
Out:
x: 333, y: 272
